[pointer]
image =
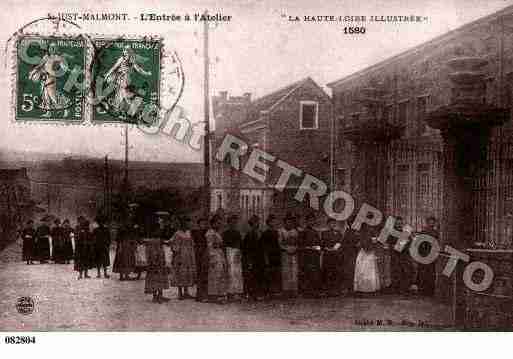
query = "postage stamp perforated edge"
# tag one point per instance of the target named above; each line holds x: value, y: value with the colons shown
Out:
x: 13, y: 115
x: 160, y: 86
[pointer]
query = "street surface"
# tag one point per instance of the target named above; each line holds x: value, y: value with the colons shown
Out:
x: 63, y: 303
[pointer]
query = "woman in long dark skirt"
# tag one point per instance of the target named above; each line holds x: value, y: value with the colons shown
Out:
x: 57, y: 242
x: 272, y: 250
x: 43, y: 242
x: 309, y: 257
x: 84, y: 254
x: 28, y: 235
x: 101, y: 237
x: 67, y: 244
x: 332, y: 259
x: 253, y: 261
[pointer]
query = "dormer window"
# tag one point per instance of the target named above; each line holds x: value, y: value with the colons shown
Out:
x: 308, y: 115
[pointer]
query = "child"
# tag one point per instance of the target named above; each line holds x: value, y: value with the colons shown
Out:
x: 141, y: 261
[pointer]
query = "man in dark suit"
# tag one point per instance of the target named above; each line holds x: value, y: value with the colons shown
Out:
x: 400, y: 261
x: 426, y: 274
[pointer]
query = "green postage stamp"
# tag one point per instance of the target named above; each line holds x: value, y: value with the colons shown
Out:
x: 81, y: 79
x: 45, y: 66
x: 126, y: 80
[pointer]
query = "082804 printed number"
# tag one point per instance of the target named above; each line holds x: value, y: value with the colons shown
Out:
x: 20, y: 340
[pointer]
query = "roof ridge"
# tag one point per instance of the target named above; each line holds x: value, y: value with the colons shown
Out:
x: 294, y: 84
x: 416, y: 48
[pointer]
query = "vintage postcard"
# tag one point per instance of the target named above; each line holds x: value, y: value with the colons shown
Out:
x: 256, y: 166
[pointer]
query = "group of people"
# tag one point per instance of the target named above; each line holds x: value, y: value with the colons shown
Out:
x: 389, y: 267
x: 285, y: 259
x: 46, y: 242
x: 63, y: 243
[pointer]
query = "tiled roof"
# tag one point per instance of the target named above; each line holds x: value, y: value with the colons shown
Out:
x: 268, y: 101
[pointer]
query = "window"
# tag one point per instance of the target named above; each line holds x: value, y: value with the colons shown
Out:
x: 403, y: 189
x: 219, y: 201
x: 388, y: 114
x: 423, y: 186
x: 308, y: 115
x: 353, y: 120
x: 403, y: 113
x: 340, y: 101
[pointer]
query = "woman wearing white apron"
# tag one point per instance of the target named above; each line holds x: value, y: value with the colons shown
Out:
x: 366, y: 274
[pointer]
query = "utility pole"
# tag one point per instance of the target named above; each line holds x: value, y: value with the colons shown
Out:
x: 125, y: 177
x: 206, y: 147
x: 106, y: 197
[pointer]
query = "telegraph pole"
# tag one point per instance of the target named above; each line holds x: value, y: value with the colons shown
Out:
x: 125, y: 177
x: 106, y: 194
x: 206, y: 147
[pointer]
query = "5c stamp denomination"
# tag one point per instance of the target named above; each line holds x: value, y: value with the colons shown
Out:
x: 44, y: 65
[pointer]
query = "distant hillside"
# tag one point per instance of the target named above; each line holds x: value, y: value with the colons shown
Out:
x: 59, y: 168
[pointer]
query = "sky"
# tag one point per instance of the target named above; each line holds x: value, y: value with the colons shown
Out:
x: 258, y: 51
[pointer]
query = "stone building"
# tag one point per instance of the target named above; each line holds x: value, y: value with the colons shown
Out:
x: 428, y: 132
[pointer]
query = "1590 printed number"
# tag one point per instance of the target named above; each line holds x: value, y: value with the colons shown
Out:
x: 354, y: 30
x: 20, y: 340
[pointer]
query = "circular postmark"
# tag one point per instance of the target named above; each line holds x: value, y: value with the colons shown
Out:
x: 25, y: 305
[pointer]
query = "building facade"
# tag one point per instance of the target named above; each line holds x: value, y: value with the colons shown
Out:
x: 401, y: 122
x: 294, y: 124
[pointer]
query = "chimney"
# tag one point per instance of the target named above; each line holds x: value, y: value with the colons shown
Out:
x: 223, y: 95
x: 247, y: 96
